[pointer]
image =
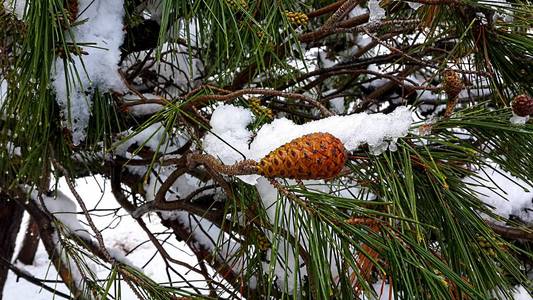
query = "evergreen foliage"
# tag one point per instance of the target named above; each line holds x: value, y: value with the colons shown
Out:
x: 405, y: 218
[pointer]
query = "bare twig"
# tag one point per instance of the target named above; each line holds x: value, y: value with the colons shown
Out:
x: 27, y: 276
x: 81, y: 203
x: 257, y: 91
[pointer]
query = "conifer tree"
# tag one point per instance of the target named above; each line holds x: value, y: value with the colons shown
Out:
x: 322, y: 149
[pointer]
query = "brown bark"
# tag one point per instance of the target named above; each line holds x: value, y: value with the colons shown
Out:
x: 30, y: 243
x: 10, y: 219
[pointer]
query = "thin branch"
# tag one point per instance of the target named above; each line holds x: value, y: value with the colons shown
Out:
x: 81, y: 203
x: 34, y: 280
x: 512, y: 233
x: 256, y: 91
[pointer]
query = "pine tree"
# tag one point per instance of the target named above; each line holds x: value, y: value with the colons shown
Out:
x: 297, y: 149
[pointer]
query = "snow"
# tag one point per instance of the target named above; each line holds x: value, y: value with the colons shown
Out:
x: 284, y: 269
x: 521, y: 294
x: 20, y: 289
x: 376, y: 12
x: 375, y: 83
x: 182, y: 187
x: 518, y: 120
x: 15, y: 6
x: 277, y: 211
x: 510, y: 196
x: 144, y: 109
x: 64, y: 209
x: 504, y: 10
x: 382, y: 289
x: 97, y: 70
x: 184, y: 70
x: 154, y: 136
x: 414, y: 5
x: 136, y: 107
x: 209, y: 236
x: 337, y: 104
x: 176, y: 65
x: 155, y: 9
x: 353, y: 130
x: 357, y: 11
x: 228, y: 124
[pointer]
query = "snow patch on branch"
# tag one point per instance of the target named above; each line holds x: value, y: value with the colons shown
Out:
x: 508, y: 195
x: 154, y: 136
x: 229, y: 137
x: 75, y: 82
x: 414, y: 5
x: 63, y: 209
x: 518, y: 120
x: 353, y: 130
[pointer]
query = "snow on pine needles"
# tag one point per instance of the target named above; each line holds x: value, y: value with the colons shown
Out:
x: 100, y: 35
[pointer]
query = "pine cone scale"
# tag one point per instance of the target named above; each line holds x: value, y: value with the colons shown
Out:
x: 312, y: 156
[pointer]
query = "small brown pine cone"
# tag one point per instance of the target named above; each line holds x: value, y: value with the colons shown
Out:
x: 72, y: 8
x: 452, y: 83
x: 312, y: 156
x: 522, y: 105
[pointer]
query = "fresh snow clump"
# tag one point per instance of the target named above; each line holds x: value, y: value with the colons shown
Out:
x: 99, y: 69
x: 353, y: 130
x: 228, y: 124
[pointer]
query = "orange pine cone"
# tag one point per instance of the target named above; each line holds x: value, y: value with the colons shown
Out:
x: 312, y: 156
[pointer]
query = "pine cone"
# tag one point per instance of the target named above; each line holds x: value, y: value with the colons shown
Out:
x: 296, y: 17
x: 522, y: 105
x: 452, y: 83
x: 312, y: 156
